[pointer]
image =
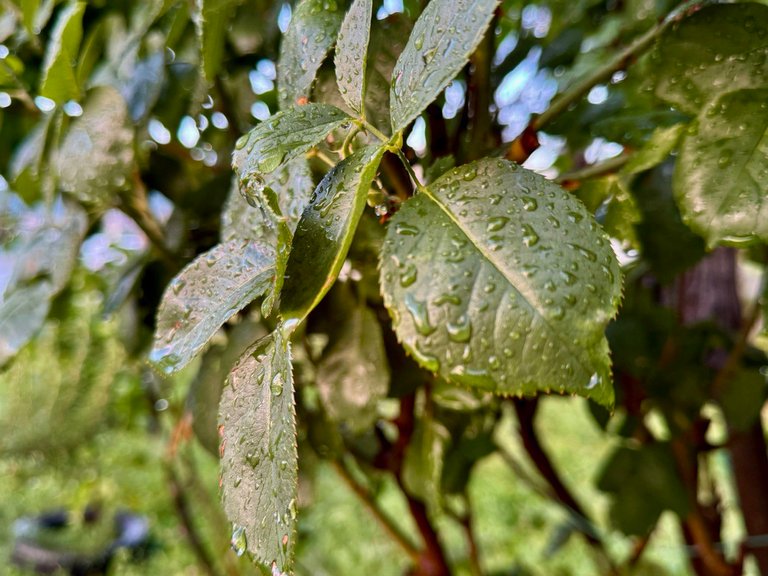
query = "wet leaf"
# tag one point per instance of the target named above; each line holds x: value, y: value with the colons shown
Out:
x: 210, y: 290
x: 271, y: 222
x: 59, y: 82
x: 723, y: 47
x: 259, y: 468
x: 658, y: 147
x: 721, y: 176
x: 352, y: 53
x: 609, y: 198
x: 211, y: 22
x: 444, y: 36
x: 41, y: 260
x: 313, y: 29
x: 500, y: 280
x: 325, y: 232
x: 205, y: 390
x: 96, y: 158
x: 353, y: 375
x: 286, y: 135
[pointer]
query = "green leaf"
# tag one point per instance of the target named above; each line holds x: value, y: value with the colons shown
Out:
x: 658, y: 147
x: 423, y: 460
x: 59, y: 82
x: 353, y: 375
x: 293, y: 185
x: 40, y: 261
x: 498, y: 279
x: 211, y: 22
x: 96, y: 157
x: 205, y: 390
x: 352, y: 53
x: 326, y: 230
x: 286, y: 135
x: 742, y: 398
x: 205, y: 294
x: 444, y: 36
x: 259, y: 468
x: 721, y: 48
x: 274, y: 219
x: 313, y: 29
x: 644, y: 482
x: 614, y: 207
x: 721, y: 179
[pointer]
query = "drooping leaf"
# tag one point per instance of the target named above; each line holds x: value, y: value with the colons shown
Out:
x: 353, y: 375
x: 313, y: 29
x: 59, y: 82
x: 96, y: 158
x: 444, y: 36
x: 259, y: 468
x: 41, y: 261
x: 211, y: 22
x: 723, y: 47
x: 273, y: 219
x: 292, y: 184
x: 498, y: 279
x: 352, y: 54
x: 721, y: 178
x: 286, y: 135
x: 325, y: 231
x: 204, y: 295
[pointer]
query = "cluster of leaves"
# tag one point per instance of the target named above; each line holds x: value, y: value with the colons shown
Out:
x: 343, y: 272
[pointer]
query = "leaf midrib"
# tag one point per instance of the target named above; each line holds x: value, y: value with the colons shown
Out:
x: 487, y: 256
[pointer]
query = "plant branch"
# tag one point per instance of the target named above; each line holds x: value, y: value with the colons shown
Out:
x: 526, y: 410
x: 593, y: 170
x: 619, y: 62
x: 407, y: 165
x: 370, y: 503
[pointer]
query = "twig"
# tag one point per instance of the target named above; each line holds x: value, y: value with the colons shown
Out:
x: 479, y: 96
x: 525, y: 410
x: 593, y: 170
x: 370, y: 503
x: 619, y: 62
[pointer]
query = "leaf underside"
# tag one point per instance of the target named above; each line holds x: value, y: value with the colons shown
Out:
x: 500, y: 280
x: 259, y: 463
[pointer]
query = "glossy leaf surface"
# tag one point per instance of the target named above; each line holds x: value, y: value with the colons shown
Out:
x: 325, y: 231
x: 282, y: 137
x: 721, y: 178
x: 96, y: 158
x: 259, y: 467
x: 500, y: 280
x: 59, y: 82
x: 204, y: 295
x: 309, y: 37
x: 444, y: 36
x: 352, y: 53
x: 721, y: 48
x: 211, y: 24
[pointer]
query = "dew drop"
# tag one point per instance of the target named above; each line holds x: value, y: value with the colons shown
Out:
x: 420, y: 314
x: 238, y: 541
x: 460, y: 330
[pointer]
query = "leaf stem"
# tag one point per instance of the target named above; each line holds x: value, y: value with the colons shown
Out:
x: 619, y: 62
x: 416, y: 182
x: 370, y: 503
